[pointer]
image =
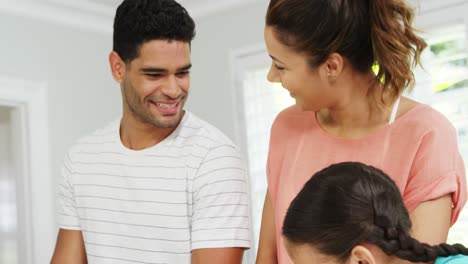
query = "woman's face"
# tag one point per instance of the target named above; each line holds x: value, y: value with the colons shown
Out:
x: 309, y: 87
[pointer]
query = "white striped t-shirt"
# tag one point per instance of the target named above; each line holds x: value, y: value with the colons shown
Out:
x: 156, y: 205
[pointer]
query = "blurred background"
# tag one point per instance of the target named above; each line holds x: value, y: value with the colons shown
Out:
x: 55, y: 86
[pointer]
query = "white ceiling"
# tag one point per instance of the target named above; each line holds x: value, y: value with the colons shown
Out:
x: 97, y: 15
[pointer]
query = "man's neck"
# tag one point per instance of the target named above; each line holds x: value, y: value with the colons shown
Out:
x: 138, y: 135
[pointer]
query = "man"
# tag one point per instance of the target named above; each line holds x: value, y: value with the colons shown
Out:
x: 159, y: 185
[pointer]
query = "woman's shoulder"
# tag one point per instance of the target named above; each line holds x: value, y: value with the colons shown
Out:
x: 414, y: 116
x: 289, y: 124
x: 293, y: 111
x: 293, y: 115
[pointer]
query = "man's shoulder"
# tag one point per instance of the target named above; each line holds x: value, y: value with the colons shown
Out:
x: 100, y: 136
x: 199, y: 130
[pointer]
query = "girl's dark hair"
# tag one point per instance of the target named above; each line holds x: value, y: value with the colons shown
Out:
x: 139, y: 21
x: 350, y: 203
x: 366, y: 32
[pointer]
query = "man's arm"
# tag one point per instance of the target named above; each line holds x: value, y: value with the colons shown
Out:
x: 217, y: 255
x: 221, y: 212
x: 69, y: 248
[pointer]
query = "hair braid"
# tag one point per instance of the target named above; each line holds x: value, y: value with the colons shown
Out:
x: 395, y: 241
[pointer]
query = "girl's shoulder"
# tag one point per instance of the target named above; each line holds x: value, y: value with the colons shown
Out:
x: 458, y: 259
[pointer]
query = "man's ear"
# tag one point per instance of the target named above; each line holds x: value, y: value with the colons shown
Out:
x: 117, y: 66
x: 361, y: 255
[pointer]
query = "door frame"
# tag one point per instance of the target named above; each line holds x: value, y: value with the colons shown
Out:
x: 30, y: 149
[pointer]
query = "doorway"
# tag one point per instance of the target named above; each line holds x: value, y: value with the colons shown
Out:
x: 27, y: 225
x: 8, y: 208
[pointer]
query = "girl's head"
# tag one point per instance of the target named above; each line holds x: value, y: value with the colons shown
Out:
x: 333, y: 36
x: 354, y: 213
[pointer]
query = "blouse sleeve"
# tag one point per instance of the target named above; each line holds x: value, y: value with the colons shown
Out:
x: 437, y: 170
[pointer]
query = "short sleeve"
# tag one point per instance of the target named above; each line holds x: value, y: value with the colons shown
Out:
x: 67, y: 212
x: 221, y: 211
x: 437, y: 170
x: 272, y: 170
x: 283, y: 129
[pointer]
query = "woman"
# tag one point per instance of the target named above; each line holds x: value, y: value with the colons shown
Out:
x: 354, y: 213
x: 325, y: 53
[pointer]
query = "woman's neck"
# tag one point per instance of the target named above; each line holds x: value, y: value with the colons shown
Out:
x: 361, y: 110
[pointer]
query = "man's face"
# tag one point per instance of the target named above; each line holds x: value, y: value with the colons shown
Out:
x: 156, y: 83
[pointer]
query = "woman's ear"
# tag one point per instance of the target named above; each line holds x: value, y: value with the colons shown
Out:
x: 361, y: 255
x: 117, y: 66
x: 334, y: 66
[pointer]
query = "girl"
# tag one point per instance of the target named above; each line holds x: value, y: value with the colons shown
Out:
x: 354, y: 213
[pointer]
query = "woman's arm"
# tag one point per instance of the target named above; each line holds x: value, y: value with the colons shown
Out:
x: 267, y: 245
x: 431, y: 220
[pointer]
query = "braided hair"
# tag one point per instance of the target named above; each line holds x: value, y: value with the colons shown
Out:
x: 350, y: 203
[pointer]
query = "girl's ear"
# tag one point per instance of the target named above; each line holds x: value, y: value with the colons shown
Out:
x: 361, y: 255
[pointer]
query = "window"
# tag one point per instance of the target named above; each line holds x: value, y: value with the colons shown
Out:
x: 446, y: 62
x: 263, y: 101
x: 259, y: 104
x: 444, y: 83
x: 448, y: 59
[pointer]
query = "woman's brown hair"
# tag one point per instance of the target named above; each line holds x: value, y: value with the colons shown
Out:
x: 366, y: 32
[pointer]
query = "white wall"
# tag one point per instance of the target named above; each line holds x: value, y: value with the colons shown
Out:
x: 217, y: 36
x: 73, y: 63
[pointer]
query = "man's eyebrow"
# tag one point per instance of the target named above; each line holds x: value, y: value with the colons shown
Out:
x: 185, y: 68
x: 153, y: 70
x: 162, y: 70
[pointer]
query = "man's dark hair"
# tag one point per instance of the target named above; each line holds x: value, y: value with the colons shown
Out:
x: 139, y: 21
